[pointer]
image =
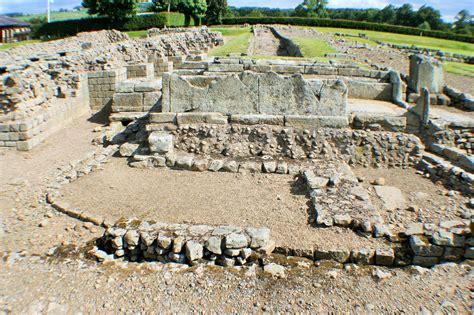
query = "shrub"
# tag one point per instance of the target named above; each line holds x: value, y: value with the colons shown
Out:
x: 72, y: 27
x: 348, y: 24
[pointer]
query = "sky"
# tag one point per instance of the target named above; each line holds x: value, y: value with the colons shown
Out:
x: 448, y: 9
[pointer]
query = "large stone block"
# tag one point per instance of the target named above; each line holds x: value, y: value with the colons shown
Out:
x: 160, y: 142
x: 201, y: 118
x: 425, y: 72
x: 127, y: 102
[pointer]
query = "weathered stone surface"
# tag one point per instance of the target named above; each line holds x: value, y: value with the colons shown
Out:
x: 259, y: 237
x: 127, y: 102
x: 201, y: 118
x: 425, y: 261
x: 426, y: 72
x: 194, y: 250
x: 200, y: 165
x: 422, y: 247
x: 313, y: 181
x: 230, y: 166
x: 184, y: 161
x: 235, y: 240
x: 363, y: 256
x: 392, y: 197
x: 160, y: 142
x: 128, y: 149
x: 341, y: 256
x: 216, y: 165
x: 131, y: 238
x: 384, y: 256
x: 214, y: 245
x: 275, y: 270
x: 269, y: 166
x: 444, y: 238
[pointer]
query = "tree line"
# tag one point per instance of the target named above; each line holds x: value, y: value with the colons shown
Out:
x: 212, y: 12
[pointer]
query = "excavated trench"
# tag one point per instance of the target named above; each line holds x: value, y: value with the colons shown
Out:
x: 266, y: 41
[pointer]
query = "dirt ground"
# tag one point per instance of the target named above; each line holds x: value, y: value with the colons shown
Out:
x: 425, y: 201
x: 264, y: 43
x: 247, y: 200
x: 43, y: 268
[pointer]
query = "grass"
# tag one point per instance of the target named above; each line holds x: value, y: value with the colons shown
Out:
x: 16, y: 44
x: 136, y: 34
x: 231, y: 31
x: 56, y: 16
x: 312, y: 47
x: 419, y: 41
x: 459, y: 68
x: 237, y: 43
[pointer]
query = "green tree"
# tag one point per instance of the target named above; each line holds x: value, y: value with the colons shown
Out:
x: 312, y: 8
x: 464, y: 23
x: 215, y: 11
x: 431, y: 16
x: 405, y: 15
x: 165, y: 5
x: 194, y: 8
x: 116, y: 10
x: 255, y: 14
x: 387, y: 15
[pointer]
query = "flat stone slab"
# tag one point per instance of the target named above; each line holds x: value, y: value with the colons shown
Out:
x: 392, y: 197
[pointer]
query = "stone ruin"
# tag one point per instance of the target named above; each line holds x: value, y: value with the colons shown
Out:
x: 170, y: 105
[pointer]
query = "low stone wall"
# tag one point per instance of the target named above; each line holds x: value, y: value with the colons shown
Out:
x: 41, y: 122
x: 295, y: 137
x: 250, y: 93
x: 460, y: 100
x: 225, y: 245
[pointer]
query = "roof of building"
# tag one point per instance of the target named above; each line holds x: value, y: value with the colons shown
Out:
x: 6, y: 21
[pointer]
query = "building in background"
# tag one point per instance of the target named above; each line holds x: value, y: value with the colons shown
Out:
x: 12, y: 30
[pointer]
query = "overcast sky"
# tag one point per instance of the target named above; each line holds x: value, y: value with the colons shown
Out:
x: 449, y: 9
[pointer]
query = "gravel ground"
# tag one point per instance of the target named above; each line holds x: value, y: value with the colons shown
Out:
x: 249, y: 200
x: 430, y: 202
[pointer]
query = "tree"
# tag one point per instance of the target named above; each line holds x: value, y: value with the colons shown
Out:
x: 215, y: 11
x: 464, y: 23
x: 312, y: 8
x: 116, y: 10
x: 431, y: 16
x: 405, y: 15
x: 387, y: 15
x: 255, y: 14
x: 194, y: 8
x: 165, y: 5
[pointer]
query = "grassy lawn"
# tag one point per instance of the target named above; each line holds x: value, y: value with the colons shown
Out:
x: 16, y: 44
x: 231, y: 31
x: 312, y: 47
x: 136, y: 34
x: 238, y: 41
x: 426, y: 42
x: 459, y: 68
x: 56, y: 16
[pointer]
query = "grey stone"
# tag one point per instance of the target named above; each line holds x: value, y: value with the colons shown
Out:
x: 236, y: 240
x: 392, y: 197
x: 342, y: 220
x: 250, y: 167
x: 269, y: 166
x: 363, y: 256
x: 282, y: 168
x: 259, y: 237
x: 444, y: 238
x: 200, y: 165
x: 275, y: 270
x: 425, y: 72
x: 214, y: 245
x: 422, y: 247
x: 232, y: 252
x: 194, y: 250
x: 230, y: 166
x: 131, y: 238
x: 469, y: 253
x: 341, y: 256
x: 178, y: 244
x: 216, y: 165
x: 128, y: 149
x: 160, y: 142
x: 313, y: 181
x: 384, y: 256
x: 164, y: 242
x: 425, y: 261
x: 184, y: 161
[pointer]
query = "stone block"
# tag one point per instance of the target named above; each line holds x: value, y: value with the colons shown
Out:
x: 313, y: 122
x: 340, y: 256
x: 127, y: 102
x: 184, y: 162
x: 148, y: 86
x: 151, y: 100
x: 422, y: 247
x: 163, y: 118
x: 160, y: 142
x: 226, y: 67
x: 201, y: 118
x: 425, y: 261
x: 384, y: 256
x: 425, y: 72
x: 257, y: 119
x: 363, y: 256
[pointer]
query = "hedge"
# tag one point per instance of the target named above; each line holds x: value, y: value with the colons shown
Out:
x: 72, y: 27
x: 175, y: 19
x: 348, y: 24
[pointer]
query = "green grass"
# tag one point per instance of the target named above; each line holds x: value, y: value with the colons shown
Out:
x: 235, y: 44
x: 56, y: 16
x: 231, y: 31
x: 312, y: 47
x: 419, y: 41
x: 459, y: 68
x: 136, y: 34
x: 16, y: 44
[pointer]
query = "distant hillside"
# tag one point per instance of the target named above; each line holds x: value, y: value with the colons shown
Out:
x: 56, y: 16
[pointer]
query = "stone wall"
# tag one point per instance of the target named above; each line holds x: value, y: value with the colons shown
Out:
x: 460, y: 100
x: 250, y: 93
x: 102, y: 85
x: 24, y: 134
x: 180, y: 243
